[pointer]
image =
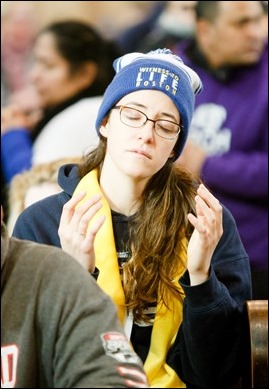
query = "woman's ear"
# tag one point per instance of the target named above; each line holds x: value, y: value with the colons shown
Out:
x: 172, y: 155
x: 104, y: 128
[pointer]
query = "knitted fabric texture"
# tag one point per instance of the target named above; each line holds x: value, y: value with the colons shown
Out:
x: 157, y: 70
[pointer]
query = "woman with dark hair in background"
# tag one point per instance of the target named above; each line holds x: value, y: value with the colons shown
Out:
x: 72, y: 67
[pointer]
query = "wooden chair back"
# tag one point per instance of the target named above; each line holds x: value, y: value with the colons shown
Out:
x: 256, y: 353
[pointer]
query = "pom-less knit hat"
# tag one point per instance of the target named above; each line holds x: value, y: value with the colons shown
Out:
x: 157, y: 70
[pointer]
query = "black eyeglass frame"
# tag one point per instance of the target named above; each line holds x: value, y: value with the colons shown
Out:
x: 147, y: 119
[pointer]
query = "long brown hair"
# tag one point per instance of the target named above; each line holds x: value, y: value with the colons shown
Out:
x: 156, y: 233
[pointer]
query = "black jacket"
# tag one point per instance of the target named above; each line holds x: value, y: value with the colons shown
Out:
x: 207, y: 351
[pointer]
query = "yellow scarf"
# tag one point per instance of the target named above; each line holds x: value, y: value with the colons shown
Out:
x: 166, y: 323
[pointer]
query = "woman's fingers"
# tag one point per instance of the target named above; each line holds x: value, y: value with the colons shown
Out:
x: 208, y: 230
x: 85, y: 213
x: 69, y: 207
x: 92, y: 231
x: 210, y: 209
x: 79, y: 225
x: 73, y: 211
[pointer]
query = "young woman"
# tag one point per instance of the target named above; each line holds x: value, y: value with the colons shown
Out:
x: 167, y: 252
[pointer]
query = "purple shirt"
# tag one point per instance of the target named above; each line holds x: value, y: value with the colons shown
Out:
x: 231, y: 123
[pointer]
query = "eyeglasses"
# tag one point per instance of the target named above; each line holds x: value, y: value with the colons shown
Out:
x: 132, y: 117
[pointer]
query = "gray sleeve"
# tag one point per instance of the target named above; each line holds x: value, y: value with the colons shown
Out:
x: 82, y: 342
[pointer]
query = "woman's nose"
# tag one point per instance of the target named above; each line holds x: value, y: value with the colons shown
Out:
x: 147, y: 131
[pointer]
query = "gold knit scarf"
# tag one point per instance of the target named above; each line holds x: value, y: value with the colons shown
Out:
x: 167, y: 321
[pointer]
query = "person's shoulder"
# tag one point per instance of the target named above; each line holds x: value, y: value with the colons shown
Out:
x: 47, y: 204
x: 50, y: 260
x: 230, y: 241
x: 73, y: 128
x: 84, y: 106
x: 40, y: 220
x: 229, y: 223
x: 94, y: 101
x: 51, y: 273
x: 227, y: 214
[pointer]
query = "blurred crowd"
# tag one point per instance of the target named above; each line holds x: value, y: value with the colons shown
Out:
x: 55, y: 66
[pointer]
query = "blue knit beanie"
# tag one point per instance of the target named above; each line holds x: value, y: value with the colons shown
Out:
x: 157, y: 70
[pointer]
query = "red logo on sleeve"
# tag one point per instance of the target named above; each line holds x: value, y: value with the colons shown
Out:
x: 9, y: 363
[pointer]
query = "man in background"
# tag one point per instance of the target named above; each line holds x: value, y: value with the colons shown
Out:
x: 228, y: 142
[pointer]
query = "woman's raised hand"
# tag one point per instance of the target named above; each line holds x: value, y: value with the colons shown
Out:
x: 207, y: 232
x: 77, y: 239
